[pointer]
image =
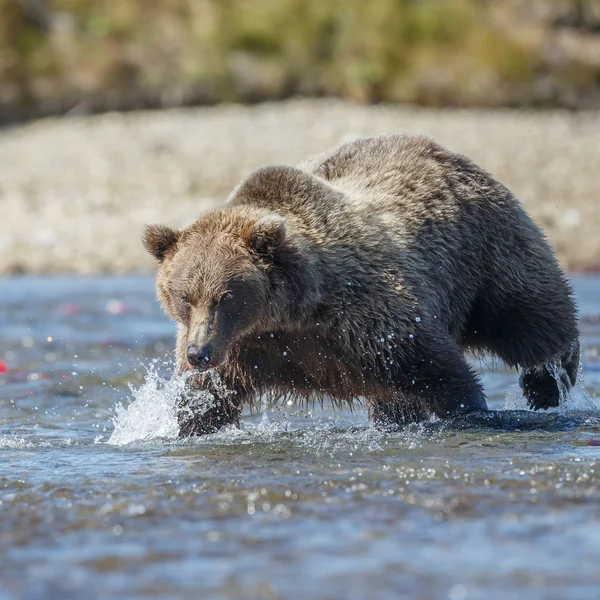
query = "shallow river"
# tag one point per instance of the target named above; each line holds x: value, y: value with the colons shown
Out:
x: 98, y: 499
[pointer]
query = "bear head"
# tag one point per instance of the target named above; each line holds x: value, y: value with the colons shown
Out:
x: 215, y: 279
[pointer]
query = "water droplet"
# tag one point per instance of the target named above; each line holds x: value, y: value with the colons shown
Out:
x: 457, y: 592
x: 213, y: 536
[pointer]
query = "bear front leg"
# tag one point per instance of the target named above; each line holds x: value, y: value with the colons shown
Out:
x: 435, y: 378
x: 206, y: 405
x: 396, y: 411
x: 542, y: 385
x: 207, y: 402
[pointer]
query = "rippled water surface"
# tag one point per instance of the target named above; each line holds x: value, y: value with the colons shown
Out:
x: 98, y: 499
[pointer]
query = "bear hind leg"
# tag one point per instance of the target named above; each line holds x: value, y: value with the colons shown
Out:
x: 543, y: 385
x: 435, y: 379
x: 533, y: 331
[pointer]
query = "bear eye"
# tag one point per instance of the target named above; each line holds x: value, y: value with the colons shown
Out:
x: 225, y: 297
x: 185, y: 300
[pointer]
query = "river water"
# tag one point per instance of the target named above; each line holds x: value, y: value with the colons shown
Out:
x: 98, y: 499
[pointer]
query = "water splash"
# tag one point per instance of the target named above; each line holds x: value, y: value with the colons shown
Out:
x: 15, y: 443
x: 151, y: 413
x: 514, y: 399
x: 325, y: 435
x: 578, y: 398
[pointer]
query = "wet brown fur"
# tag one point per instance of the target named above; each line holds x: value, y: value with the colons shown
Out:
x: 365, y: 273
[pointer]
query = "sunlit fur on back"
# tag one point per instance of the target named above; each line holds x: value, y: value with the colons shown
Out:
x: 366, y: 272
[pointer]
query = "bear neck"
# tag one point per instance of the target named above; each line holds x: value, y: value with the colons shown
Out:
x: 300, y: 272
x: 295, y: 280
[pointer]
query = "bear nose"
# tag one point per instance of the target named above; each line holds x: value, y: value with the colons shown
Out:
x: 198, y: 356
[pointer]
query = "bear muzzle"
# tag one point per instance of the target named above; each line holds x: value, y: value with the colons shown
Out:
x: 202, y: 358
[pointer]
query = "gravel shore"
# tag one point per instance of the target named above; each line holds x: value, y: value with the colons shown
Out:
x: 75, y: 192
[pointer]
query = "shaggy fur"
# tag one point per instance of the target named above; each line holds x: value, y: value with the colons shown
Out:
x: 365, y: 273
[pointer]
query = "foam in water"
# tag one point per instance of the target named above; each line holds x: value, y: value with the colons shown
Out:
x: 577, y: 399
x: 15, y: 443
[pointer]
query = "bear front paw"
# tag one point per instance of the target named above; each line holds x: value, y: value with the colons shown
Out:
x: 205, y: 406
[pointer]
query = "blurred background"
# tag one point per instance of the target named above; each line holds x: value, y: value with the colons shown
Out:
x: 233, y: 84
x: 59, y: 56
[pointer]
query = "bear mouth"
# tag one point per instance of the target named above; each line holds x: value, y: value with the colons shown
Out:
x: 212, y: 364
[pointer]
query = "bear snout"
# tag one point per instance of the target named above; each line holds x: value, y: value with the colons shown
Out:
x: 201, y: 357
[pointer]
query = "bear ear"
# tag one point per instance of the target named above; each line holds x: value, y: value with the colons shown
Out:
x: 159, y: 239
x: 266, y: 235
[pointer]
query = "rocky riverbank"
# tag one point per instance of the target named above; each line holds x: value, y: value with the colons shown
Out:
x: 75, y: 192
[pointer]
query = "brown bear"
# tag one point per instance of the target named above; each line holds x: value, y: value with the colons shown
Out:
x: 365, y: 274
